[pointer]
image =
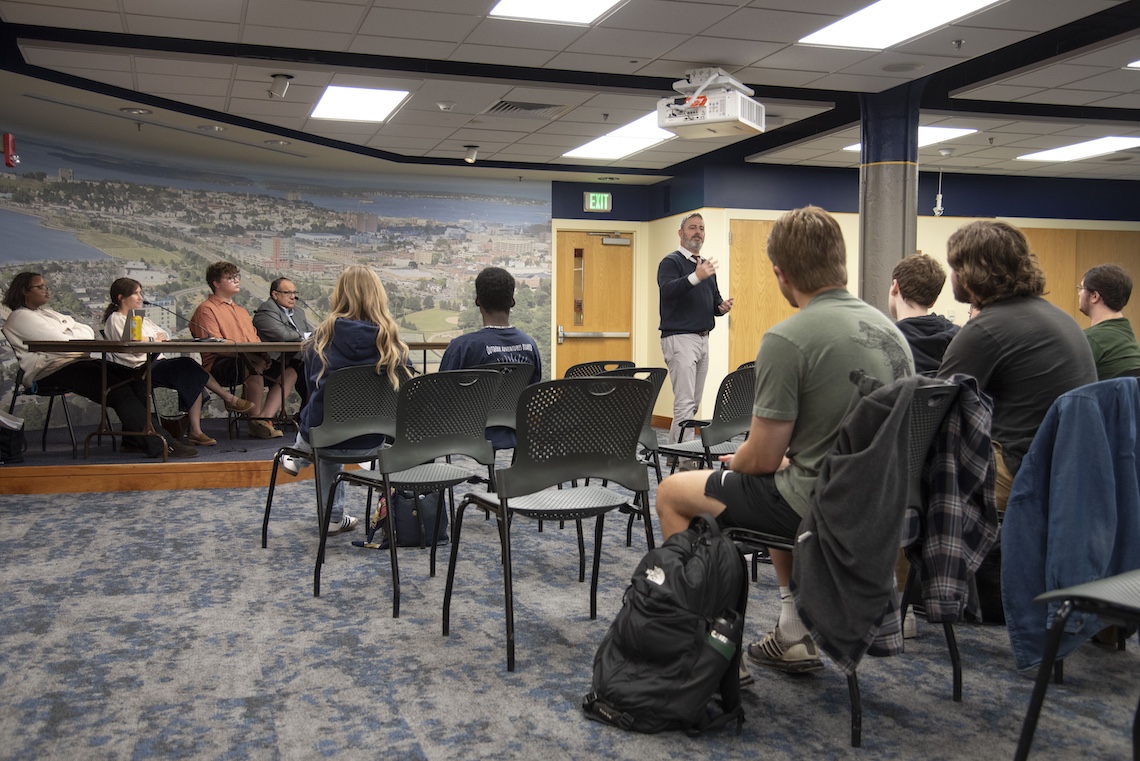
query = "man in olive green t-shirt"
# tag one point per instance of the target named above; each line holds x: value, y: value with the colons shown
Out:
x: 803, y: 394
x: 1103, y: 292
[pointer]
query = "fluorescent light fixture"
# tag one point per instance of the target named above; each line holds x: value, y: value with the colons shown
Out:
x: 1085, y: 150
x: 633, y: 137
x: 929, y: 136
x: 1133, y: 65
x: 358, y: 104
x: 889, y: 22
x: 553, y: 11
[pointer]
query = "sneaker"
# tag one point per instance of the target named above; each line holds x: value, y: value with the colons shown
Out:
x: 292, y: 465
x: 745, y: 675
x: 910, y: 625
x: 793, y: 657
x: 240, y: 406
x: 259, y: 429
x: 347, y: 523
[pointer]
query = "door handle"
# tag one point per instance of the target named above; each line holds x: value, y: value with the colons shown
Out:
x: 563, y: 335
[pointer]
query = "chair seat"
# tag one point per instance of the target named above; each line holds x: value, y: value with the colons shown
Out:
x: 694, y: 448
x: 1115, y: 595
x: 559, y: 504
x: 431, y: 476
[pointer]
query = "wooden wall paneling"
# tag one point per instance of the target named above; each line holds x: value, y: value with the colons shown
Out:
x: 1056, y: 252
x: 758, y: 303
x: 1111, y: 247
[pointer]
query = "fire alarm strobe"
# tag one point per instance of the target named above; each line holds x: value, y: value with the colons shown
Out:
x: 711, y: 104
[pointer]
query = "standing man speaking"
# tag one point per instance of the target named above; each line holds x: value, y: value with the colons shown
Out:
x: 690, y: 304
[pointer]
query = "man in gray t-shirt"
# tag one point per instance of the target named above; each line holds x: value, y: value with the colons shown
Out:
x: 803, y: 393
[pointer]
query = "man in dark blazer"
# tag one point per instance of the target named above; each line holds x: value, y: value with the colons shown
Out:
x: 280, y: 319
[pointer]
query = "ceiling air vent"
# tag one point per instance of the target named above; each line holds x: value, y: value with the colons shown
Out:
x: 519, y: 109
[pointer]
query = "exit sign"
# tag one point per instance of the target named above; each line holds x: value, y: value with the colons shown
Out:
x: 597, y: 202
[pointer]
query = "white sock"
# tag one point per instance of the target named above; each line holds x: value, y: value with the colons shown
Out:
x: 791, y: 627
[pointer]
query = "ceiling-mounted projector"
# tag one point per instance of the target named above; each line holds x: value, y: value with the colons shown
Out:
x: 710, y: 104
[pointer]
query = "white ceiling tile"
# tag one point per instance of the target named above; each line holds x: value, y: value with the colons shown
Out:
x: 876, y: 65
x: 1062, y: 97
x: 630, y: 43
x: 1054, y: 75
x: 1089, y: 131
x: 413, y: 130
x: 807, y: 58
x: 976, y: 41
x: 856, y: 82
x: 117, y: 78
x: 670, y: 69
x: 52, y: 8
x: 1119, y: 101
x: 201, y: 10
x: 551, y: 140
x: 1113, y: 55
x: 304, y: 15
x: 259, y: 108
x: 41, y: 15
x: 212, y: 69
x: 666, y: 16
x: 506, y: 56
x: 1036, y: 15
x: 718, y: 51
x: 593, y: 62
x: 294, y: 123
x: 401, y: 143
x: 295, y: 38
x: 757, y: 75
x: 212, y: 102
x: 826, y: 7
x: 770, y: 25
x: 419, y: 25
x: 168, y: 86
x: 1114, y: 80
x: 515, y: 34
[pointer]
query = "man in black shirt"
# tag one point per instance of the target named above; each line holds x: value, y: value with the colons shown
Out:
x: 690, y: 303
x: 916, y: 283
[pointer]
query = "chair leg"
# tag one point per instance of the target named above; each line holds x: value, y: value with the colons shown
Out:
x: 647, y: 519
x: 71, y: 430
x: 955, y: 659
x: 456, y: 527
x: 508, y: 591
x: 1136, y: 734
x: 581, y: 553
x: 598, y: 524
x: 856, y: 711
x: 439, y: 524
x: 1029, y: 726
x: 47, y: 423
x: 269, y: 501
x: 327, y: 518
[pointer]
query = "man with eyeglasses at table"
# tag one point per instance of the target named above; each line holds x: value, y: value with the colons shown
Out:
x: 280, y: 319
x: 219, y: 317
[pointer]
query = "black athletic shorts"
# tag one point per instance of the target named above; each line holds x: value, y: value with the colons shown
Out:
x: 752, y: 502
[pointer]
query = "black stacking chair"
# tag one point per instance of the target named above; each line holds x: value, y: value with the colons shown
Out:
x: 568, y: 429
x: 437, y: 415
x: 732, y: 416
x: 648, y: 439
x: 51, y: 393
x: 516, y: 377
x: 587, y: 369
x: 357, y: 402
x: 928, y: 408
x: 1115, y: 600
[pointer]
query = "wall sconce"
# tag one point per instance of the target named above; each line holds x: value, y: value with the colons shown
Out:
x: 472, y: 153
x: 280, y: 85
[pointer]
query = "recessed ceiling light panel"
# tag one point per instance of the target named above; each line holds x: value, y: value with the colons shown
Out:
x: 1085, y: 150
x: 624, y: 141
x: 553, y: 11
x: 136, y: 111
x: 358, y: 104
x: 889, y: 22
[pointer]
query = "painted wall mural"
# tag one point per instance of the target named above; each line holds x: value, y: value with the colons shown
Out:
x: 84, y: 216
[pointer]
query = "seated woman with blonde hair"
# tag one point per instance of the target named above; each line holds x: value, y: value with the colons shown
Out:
x: 358, y: 331
x: 182, y: 374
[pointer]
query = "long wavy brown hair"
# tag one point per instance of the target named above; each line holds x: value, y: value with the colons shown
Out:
x: 359, y: 295
x: 993, y: 260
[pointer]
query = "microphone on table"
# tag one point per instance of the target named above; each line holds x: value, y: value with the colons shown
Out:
x: 209, y: 336
x: 306, y: 304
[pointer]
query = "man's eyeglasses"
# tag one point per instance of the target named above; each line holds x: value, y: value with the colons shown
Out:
x: 288, y: 293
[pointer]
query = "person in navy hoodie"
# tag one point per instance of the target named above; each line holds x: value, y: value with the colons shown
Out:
x: 496, y: 341
x: 358, y: 331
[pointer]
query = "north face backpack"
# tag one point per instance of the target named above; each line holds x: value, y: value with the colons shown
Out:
x: 671, y: 658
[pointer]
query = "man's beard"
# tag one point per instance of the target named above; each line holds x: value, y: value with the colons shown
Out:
x: 960, y: 293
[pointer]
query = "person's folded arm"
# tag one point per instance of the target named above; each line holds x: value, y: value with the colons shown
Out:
x: 763, y: 452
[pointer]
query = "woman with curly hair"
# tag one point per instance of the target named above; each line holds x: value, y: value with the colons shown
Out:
x: 358, y: 331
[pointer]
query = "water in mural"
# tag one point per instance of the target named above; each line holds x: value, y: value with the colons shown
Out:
x: 83, y: 217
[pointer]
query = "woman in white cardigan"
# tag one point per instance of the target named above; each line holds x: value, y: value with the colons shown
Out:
x: 182, y: 374
x: 30, y: 320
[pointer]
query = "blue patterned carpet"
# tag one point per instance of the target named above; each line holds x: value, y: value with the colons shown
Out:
x: 153, y: 626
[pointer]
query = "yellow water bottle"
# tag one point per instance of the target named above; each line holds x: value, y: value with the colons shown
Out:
x: 136, y: 325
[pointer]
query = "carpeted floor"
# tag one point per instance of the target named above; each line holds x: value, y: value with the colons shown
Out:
x: 154, y: 626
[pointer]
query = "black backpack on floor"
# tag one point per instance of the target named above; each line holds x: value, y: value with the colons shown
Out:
x: 671, y: 658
